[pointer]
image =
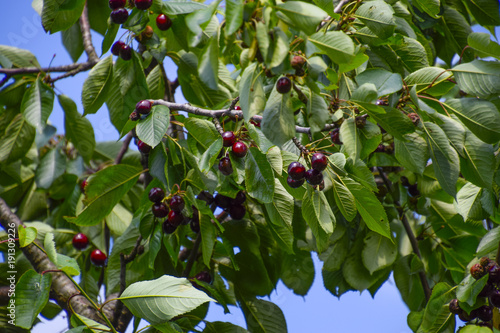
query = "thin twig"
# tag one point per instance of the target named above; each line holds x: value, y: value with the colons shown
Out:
x: 301, y: 147
x: 302, y: 97
x: 124, y: 148
x: 341, y: 4
x: 192, y: 256
x: 411, y: 237
x: 218, y: 126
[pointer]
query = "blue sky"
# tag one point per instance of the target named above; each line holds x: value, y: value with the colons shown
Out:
x: 317, y: 311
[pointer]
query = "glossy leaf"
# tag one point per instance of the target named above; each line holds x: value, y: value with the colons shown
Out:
x: 335, y: 44
x: 17, y: 140
x: 483, y: 45
x: 31, y: 295
x: 96, y: 85
x: 152, y: 129
x: 15, y: 57
x: 378, y: 16
x: 303, y: 15
x: 264, y: 317
x: 385, y: 82
x: 52, y: 166
x: 234, y: 16
x: 252, y: 96
x: 259, y: 176
x: 37, y: 104
x: 379, y: 252
x: 57, y: 16
x: 478, y: 78
x: 278, y: 122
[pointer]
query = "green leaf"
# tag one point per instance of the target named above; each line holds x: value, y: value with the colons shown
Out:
x: 50, y: 247
x: 475, y: 329
x: 469, y: 289
x: 469, y: 202
x: 280, y: 48
x: 264, y: 317
x: 412, y: 54
x: 350, y: 138
x: 209, y: 157
x: 478, y: 163
x: 478, y: 78
x: 431, y: 7
x: 298, y: 272
x: 73, y: 41
x: 278, y: 123
x: 17, y: 140
x: 14, y: 57
x: 32, y: 293
x: 57, y: 15
x: 51, y: 167
x: 304, y: 16
x: 37, y: 104
x: 234, y: 15
x: 208, y: 66
x: 280, y: 212
x: 252, y: 95
x: 365, y: 93
x: 335, y: 44
x: 385, y: 82
x: 489, y: 242
x: 26, y: 235
x: 344, y: 200
x: 156, y: 83
x: 68, y: 265
x: 317, y: 112
x: 317, y: 213
x: 109, y: 36
x: 222, y: 327
x: 445, y: 160
x: 259, y: 176
x: 152, y: 129
x: 412, y: 152
x: 379, y: 252
x: 484, y: 46
x: 160, y: 300
x: 393, y: 121
x: 78, y: 129
x: 437, y: 314
x: 378, y: 17
x: 370, y: 209
x: 181, y: 7
x: 202, y: 130
x: 480, y: 116
x: 486, y: 12
x: 198, y: 20
x: 96, y: 85
x: 208, y: 238
x: 104, y: 190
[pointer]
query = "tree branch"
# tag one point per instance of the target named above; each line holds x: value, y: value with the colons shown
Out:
x: 411, y: 237
x: 226, y: 112
x: 87, y: 37
x: 124, y: 148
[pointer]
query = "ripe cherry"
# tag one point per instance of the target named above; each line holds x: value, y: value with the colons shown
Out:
x: 222, y: 201
x: 119, y: 15
x: 83, y: 184
x: 168, y: 228
x: 204, y: 277
x: 494, y: 273
x: 319, y: 161
x: 143, y: 4
x: 144, y: 106
x: 485, y: 313
x: 115, y: 4
x: 175, y: 218
x: 239, y: 149
x: 163, y: 22
x: 156, y: 194
x: 117, y: 46
x: 237, y: 108
x: 283, y: 85
x: 296, y: 171
x: 159, y: 209
x: 294, y: 183
x: 80, y: 241
x: 228, y: 138
x: 335, y: 136
x: 206, y: 196
x: 126, y: 53
x: 495, y: 298
x: 314, y: 177
x: 225, y: 166
x: 239, y: 199
x: 143, y: 147
x: 176, y: 203
x: 237, y: 212
x: 98, y: 258
x: 134, y: 116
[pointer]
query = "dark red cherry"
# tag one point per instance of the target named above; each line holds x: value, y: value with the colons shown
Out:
x: 239, y: 149
x: 335, y: 136
x: 239, y: 199
x: 119, y: 15
x: 159, y: 209
x: 163, y: 22
x: 175, y: 218
x: 168, y: 228
x: 494, y: 273
x: 296, y: 171
x: 98, y: 258
x: 204, y: 277
x: 126, y: 53
x: 117, y: 46
x: 225, y: 166
x: 115, y: 4
x: 206, y: 196
x: 144, y: 106
x: 495, y: 298
x: 80, y: 241
x: 143, y: 4
x: 228, y: 138
x: 319, y: 161
x: 222, y: 201
x: 485, y: 313
x: 176, y: 203
x: 237, y: 212
x: 143, y: 147
x: 314, y: 177
x: 283, y: 85
x: 294, y: 183
x: 156, y: 194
